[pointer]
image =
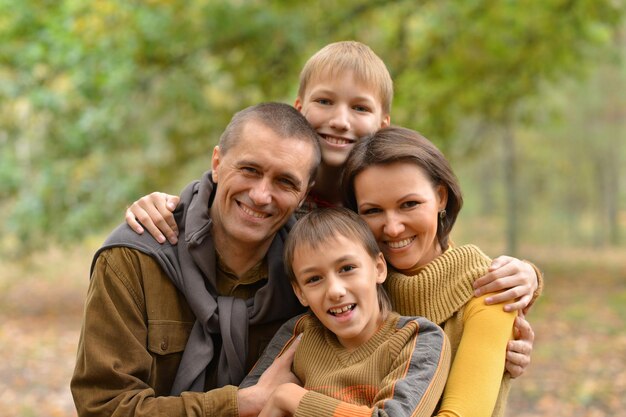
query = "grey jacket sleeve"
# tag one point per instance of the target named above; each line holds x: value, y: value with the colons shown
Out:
x: 281, y: 341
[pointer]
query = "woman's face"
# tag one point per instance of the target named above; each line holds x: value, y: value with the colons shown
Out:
x: 401, y: 206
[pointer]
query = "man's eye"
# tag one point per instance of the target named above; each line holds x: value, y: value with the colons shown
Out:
x: 249, y: 170
x: 287, y: 183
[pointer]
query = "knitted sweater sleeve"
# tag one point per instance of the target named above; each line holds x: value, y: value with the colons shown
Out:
x: 281, y: 341
x: 412, y: 387
x: 478, y: 365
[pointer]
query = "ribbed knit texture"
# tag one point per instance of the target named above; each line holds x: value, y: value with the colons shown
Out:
x: 335, y: 365
x: 441, y: 288
x: 366, y: 377
x: 439, y: 291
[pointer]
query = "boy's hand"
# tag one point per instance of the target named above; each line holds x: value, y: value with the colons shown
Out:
x: 284, y: 401
x: 154, y: 211
x: 515, y: 279
x: 251, y: 400
x: 519, y: 350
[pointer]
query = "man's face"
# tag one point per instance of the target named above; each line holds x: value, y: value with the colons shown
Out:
x: 261, y: 180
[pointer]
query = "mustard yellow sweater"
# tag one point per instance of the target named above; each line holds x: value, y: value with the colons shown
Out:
x: 442, y: 292
x: 400, y: 371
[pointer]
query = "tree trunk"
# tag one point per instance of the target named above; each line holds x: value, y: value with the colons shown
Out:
x: 510, y: 184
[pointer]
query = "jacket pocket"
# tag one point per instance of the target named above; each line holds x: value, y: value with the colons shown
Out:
x: 167, y: 336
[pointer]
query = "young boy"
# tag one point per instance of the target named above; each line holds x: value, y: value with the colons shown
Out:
x: 355, y: 356
x: 346, y: 93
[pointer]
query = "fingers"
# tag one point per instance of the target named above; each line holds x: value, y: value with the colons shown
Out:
x: 499, y: 262
x: 509, y: 279
x: 153, y: 212
x: 519, y: 350
x: 132, y: 221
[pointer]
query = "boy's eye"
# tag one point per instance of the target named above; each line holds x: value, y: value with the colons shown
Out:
x: 347, y: 268
x: 313, y: 279
x: 324, y: 101
x: 361, y: 108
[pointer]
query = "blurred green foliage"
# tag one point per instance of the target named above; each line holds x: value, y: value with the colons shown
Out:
x: 103, y: 101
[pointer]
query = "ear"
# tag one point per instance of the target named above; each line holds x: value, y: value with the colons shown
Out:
x: 386, y: 121
x: 442, y: 193
x: 298, y: 104
x: 215, y: 162
x: 381, y: 268
x: 299, y: 294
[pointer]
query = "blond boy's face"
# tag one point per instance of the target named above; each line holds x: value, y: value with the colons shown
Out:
x: 338, y: 282
x: 342, y: 110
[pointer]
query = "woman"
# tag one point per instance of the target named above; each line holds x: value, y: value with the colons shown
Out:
x: 405, y: 190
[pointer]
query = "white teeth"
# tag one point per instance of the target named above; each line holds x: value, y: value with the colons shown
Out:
x: 400, y: 244
x: 342, y: 309
x: 337, y: 141
x: 253, y: 213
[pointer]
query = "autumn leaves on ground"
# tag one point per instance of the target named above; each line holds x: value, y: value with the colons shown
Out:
x: 578, y: 368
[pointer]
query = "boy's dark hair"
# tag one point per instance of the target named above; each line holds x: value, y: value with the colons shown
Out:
x: 397, y: 144
x: 321, y: 225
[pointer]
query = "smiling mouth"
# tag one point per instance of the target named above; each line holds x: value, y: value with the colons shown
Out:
x: 341, y: 310
x: 253, y: 213
x: 334, y: 140
x: 399, y: 244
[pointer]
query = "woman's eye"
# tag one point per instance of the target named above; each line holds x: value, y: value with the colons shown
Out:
x: 410, y: 204
x: 369, y: 211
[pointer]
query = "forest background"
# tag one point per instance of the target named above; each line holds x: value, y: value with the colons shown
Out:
x: 104, y: 101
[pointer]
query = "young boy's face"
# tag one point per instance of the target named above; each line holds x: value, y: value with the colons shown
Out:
x: 342, y: 110
x: 338, y: 282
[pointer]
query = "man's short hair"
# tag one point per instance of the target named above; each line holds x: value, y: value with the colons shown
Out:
x: 339, y: 57
x: 282, y: 119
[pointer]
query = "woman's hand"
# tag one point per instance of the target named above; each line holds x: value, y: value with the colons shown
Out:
x: 512, y: 279
x: 519, y: 350
x: 154, y: 212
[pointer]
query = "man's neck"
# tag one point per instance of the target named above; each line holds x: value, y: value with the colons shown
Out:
x: 327, y: 184
x: 238, y: 257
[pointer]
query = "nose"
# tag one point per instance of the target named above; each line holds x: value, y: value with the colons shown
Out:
x: 336, y: 289
x: 393, y: 226
x: 341, y: 118
x: 260, y: 192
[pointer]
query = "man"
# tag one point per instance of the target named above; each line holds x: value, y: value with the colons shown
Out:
x: 170, y: 330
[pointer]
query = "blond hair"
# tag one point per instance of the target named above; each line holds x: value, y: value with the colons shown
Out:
x: 338, y: 57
